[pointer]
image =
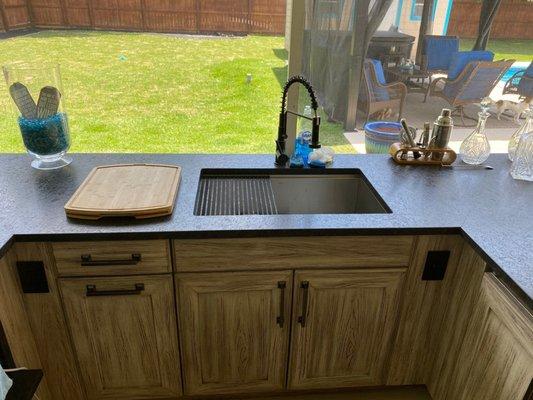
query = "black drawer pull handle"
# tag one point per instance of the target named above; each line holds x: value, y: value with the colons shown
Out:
x: 92, y: 291
x: 280, y: 320
x: 303, y: 318
x: 87, y: 261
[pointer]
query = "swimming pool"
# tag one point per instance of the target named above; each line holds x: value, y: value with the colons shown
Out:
x: 517, y: 66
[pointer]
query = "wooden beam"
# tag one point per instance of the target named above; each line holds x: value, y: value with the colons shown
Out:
x: 426, y: 28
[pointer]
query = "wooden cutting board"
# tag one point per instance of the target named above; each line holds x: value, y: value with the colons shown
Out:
x: 126, y: 190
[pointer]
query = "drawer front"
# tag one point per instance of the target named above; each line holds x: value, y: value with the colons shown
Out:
x: 292, y: 252
x: 112, y: 258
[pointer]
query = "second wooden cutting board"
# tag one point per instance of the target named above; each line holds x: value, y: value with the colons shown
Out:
x: 129, y: 190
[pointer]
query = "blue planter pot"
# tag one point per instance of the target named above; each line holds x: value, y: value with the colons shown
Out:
x: 380, y: 135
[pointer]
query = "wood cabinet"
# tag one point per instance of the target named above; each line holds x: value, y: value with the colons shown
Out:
x: 264, y: 315
x: 234, y: 331
x: 124, y: 334
x: 343, y: 323
x: 16, y: 324
x: 49, y: 327
x: 496, y: 359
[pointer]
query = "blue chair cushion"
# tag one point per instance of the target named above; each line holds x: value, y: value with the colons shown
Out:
x: 378, y: 93
x: 439, y: 51
x: 460, y: 60
x: 380, y: 74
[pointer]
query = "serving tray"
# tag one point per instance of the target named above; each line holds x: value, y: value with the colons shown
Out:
x: 126, y: 190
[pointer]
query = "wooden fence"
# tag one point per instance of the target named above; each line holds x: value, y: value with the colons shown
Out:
x: 513, y: 21
x: 194, y: 16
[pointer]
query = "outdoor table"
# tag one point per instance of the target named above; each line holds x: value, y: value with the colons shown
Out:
x: 414, y: 79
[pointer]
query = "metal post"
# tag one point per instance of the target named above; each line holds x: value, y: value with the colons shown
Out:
x: 426, y: 28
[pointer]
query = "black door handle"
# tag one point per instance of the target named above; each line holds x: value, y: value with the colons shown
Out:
x: 92, y: 291
x: 87, y: 261
x: 302, y: 319
x: 280, y: 320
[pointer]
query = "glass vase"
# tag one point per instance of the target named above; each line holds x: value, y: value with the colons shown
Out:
x: 527, y: 126
x: 475, y: 149
x: 522, y: 167
x: 38, y: 98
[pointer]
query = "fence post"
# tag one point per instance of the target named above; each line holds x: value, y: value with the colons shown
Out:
x: 64, y: 14
x: 90, y: 11
x: 249, y: 23
x: 3, y: 16
x: 198, y: 11
x: 143, y: 11
x: 29, y: 10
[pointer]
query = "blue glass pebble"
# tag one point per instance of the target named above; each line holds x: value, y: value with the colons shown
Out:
x: 45, y: 136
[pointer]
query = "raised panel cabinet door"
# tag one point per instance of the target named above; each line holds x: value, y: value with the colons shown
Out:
x: 125, y: 335
x: 343, y: 323
x: 496, y: 360
x: 234, y: 331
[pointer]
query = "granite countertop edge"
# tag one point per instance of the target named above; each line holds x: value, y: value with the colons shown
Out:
x: 488, y: 208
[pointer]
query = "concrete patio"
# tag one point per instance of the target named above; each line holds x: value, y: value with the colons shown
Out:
x: 416, y: 112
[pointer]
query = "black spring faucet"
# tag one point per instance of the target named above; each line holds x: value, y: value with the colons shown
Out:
x: 281, y: 156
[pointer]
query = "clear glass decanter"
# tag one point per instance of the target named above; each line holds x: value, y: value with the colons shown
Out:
x: 475, y: 149
x: 527, y: 126
x: 522, y: 167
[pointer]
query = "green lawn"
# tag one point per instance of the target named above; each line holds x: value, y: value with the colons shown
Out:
x: 128, y: 92
x: 519, y: 50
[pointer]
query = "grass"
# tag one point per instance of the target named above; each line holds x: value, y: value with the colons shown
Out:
x: 515, y: 49
x: 130, y: 92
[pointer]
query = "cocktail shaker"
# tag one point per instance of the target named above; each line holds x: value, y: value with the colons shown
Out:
x: 442, y: 130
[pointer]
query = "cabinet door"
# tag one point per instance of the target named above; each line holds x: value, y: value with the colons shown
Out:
x: 343, y: 322
x: 234, y: 331
x: 496, y: 360
x: 125, y: 335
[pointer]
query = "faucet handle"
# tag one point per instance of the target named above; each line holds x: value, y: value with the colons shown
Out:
x: 315, y: 134
x: 281, y: 158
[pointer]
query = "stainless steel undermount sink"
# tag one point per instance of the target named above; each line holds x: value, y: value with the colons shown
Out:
x: 286, y: 191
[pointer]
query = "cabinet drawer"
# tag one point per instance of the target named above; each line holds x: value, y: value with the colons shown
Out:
x: 292, y: 252
x: 112, y: 258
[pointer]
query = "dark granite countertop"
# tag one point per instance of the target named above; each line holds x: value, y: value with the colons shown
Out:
x: 489, y: 208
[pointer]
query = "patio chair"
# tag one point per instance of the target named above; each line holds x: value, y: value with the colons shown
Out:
x: 473, y: 84
x: 459, y: 60
x: 521, y: 83
x: 437, y: 55
x: 378, y: 95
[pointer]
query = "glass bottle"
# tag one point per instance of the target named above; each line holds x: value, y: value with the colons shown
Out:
x: 522, y: 167
x: 527, y: 126
x: 475, y: 149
